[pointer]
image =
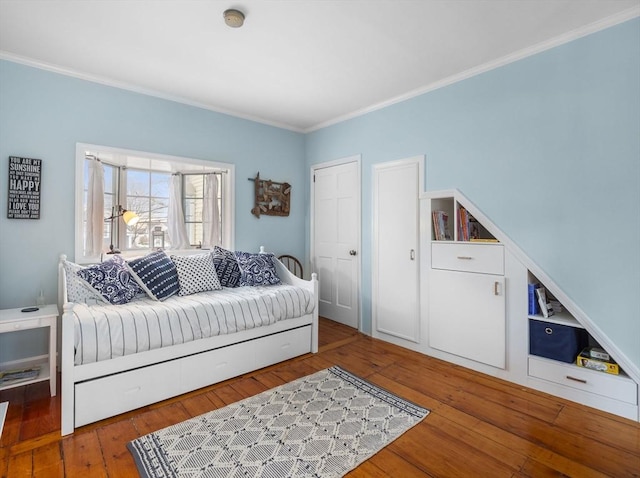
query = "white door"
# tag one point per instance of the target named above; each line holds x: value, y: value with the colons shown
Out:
x: 336, y: 239
x: 395, y: 268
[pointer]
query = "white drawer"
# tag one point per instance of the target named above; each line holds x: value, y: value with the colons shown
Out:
x: 612, y: 386
x: 468, y: 257
x: 17, y: 325
x: 127, y: 391
x: 283, y: 346
x: 203, y: 369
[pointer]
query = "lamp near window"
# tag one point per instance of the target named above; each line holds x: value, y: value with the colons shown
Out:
x: 130, y: 218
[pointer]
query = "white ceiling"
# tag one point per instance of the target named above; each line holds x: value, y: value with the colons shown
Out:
x: 297, y: 64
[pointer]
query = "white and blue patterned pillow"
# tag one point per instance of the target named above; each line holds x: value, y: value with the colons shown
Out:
x: 156, y: 273
x: 226, y: 267
x: 196, y: 273
x: 112, y: 280
x: 257, y: 269
x: 78, y: 291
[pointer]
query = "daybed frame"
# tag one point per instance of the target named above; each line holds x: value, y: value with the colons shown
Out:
x: 99, y: 390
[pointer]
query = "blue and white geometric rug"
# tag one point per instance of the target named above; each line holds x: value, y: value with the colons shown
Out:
x: 321, y: 425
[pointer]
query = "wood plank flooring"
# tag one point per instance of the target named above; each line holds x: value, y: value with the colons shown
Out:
x: 479, y: 426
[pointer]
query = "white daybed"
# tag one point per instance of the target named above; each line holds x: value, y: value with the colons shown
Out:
x: 101, y: 389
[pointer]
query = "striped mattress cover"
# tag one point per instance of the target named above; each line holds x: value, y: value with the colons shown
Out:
x: 105, y: 331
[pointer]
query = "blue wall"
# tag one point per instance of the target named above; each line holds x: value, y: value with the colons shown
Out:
x: 548, y: 148
x: 43, y: 115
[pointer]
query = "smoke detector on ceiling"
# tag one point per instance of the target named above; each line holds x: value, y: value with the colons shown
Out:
x: 233, y: 18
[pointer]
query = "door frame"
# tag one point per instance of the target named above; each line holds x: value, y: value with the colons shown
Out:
x: 419, y: 160
x: 338, y: 162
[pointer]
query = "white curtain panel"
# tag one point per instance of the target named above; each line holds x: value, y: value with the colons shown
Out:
x: 176, y: 228
x: 95, y: 208
x: 210, y: 212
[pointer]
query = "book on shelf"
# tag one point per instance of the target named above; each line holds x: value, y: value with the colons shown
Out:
x: 545, y: 308
x: 555, y: 305
x: 18, y: 375
x: 441, y: 225
x: 533, y: 299
x: 474, y: 229
x: 483, y: 239
x: 463, y: 224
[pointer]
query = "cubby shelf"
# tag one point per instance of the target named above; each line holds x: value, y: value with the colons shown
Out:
x: 561, y: 318
x: 451, y: 221
x: 565, y: 318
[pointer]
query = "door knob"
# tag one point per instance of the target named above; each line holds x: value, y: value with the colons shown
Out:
x: 352, y: 252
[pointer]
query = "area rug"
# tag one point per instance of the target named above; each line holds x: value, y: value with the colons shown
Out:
x: 321, y: 425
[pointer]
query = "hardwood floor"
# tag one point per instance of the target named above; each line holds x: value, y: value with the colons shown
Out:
x: 479, y: 426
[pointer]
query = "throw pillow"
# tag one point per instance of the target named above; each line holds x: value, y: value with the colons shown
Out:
x: 156, y: 274
x: 77, y: 289
x: 226, y: 267
x: 196, y: 274
x: 257, y: 269
x: 112, y: 280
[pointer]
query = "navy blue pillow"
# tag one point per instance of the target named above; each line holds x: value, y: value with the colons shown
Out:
x: 112, y: 280
x: 226, y: 267
x: 157, y: 275
x: 257, y: 269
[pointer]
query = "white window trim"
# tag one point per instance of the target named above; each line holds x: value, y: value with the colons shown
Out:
x: 228, y: 239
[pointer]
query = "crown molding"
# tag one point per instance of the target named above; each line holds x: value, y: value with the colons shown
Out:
x: 505, y: 60
x: 4, y: 55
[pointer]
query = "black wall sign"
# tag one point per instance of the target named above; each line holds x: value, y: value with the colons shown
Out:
x: 24, y: 188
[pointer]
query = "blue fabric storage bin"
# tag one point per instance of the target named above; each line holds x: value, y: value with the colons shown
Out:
x: 555, y: 341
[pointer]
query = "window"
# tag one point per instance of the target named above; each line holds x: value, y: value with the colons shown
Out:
x: 193, y: 193
x: 193, y: 196
x: 141, y: 183
x: 146, y: 194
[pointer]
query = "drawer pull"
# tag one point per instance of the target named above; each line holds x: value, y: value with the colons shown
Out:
x: 495, y: 288
x: 465, y: 258
x: 576, y: 379
x: 17, y: 326
x: 132, y: 390
x: 222, y: 365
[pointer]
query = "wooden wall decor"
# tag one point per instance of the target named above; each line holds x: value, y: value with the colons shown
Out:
x: 271, y: 198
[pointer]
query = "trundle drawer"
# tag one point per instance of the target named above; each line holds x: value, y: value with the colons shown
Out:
x: 612, y: 386
x: 465, y: 257
x: 203, y: 369
x: 126, y: 391
x: 283, y: 346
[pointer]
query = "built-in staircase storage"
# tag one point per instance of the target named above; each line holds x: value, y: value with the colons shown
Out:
x: 466, y: 293
x: 567, y: 360
x: 486, y: 306
x: 467, y: 301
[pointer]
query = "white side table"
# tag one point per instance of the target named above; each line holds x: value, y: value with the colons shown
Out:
x: 13, y: 320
